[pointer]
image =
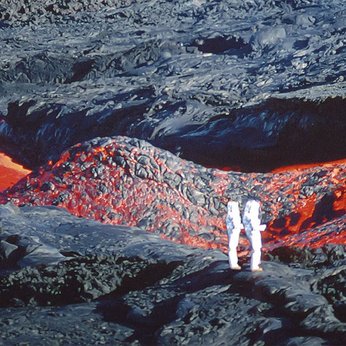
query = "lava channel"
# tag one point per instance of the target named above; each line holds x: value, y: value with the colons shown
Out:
x: 122, y: 180
x: 10, y: 172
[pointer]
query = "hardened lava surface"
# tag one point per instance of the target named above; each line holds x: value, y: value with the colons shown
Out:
x: 65, y: 279
x: 128, y: 181
x: 251, y: 85
x: 92, y: 93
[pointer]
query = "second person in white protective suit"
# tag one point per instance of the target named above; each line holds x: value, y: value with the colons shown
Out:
x: 253, y: 229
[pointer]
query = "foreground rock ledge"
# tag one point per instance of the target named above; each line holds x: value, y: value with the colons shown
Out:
x: 70, y: 280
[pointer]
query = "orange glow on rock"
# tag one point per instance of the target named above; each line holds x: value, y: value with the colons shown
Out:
x: 120, y: 183
x: 304, y: 166
x: 10, y: 172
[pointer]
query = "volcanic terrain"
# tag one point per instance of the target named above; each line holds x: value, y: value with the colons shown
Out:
x: 126, y: 126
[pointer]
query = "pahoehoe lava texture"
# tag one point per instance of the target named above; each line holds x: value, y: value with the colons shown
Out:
x: 255, y: 84
x: 93, y: 93
x: 128, y: 181
x: 131, y: 287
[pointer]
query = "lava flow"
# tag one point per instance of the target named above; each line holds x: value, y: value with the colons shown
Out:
x: 10, y: 172
x: 120, y: 180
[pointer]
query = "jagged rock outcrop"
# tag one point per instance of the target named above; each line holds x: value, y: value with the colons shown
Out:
x: 128, y: 181
x: 121, y: 284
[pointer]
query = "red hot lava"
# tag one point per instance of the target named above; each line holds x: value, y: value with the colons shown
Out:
x: 127, y: 181
x: 10, y: 172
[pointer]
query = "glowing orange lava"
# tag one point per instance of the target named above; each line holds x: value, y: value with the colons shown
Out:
x: 303, y: 166
x: 10, y: 172
x: 118, y: 182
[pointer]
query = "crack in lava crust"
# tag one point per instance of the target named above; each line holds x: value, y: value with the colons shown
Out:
x: 10, y: 172
x: 122, y: 180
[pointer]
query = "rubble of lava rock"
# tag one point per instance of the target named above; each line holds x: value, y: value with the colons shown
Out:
x: 65, y: 279
x: 127, y: 181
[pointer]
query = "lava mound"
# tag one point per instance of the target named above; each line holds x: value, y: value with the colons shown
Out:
x: 126, y: 181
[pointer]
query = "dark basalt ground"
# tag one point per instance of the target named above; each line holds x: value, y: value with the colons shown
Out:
x: 252, y: 85
x: 68, y: 280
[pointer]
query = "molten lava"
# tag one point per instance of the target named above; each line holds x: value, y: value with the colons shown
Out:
x: 127, y: 181
x: 10, y: 172
x: 304, y: 166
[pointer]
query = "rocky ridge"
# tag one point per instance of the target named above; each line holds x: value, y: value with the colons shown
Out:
x: 121, y: 284
x: 127, y: 181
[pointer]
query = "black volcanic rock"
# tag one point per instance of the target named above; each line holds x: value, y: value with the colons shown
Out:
x: 46, y: 10
x: 255, y: 84
x: 121, y: 284
x: 250, y: 85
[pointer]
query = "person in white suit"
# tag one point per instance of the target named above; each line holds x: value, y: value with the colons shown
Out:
x: 234, y: 227
x: 253, y: 227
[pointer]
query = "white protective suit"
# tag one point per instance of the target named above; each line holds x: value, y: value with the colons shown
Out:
x: 253, y: 228
x: 234, y: 227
